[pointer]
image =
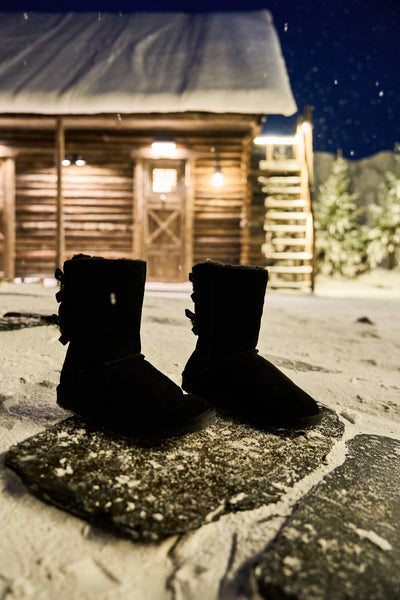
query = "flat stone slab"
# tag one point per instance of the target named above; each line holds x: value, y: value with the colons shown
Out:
x: 17, y: 320
x: 343, y: 541
x: 149, y: 492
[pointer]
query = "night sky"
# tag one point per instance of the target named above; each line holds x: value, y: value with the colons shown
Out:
x: 343, y: 58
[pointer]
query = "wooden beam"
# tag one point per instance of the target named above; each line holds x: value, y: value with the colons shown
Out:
x: 189, y: 214
x: 246, y: 213
x: 308, y: 142
x: 59, y: 156
x: 138, y: 222
x: 9, y: 217
x: 7, y: 152
x: 245, y: 123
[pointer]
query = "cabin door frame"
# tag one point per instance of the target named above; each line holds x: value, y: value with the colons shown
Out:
x: 163, y: 223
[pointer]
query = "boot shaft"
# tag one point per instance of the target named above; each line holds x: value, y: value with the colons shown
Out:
x: 101, y: 305
x: 229, y: 303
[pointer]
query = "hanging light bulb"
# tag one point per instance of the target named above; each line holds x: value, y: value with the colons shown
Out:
x: 79, y: 161
x: 217, y: 179
x: 73, y: 159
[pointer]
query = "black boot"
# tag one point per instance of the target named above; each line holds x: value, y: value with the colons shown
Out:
x: 225, y: 367
x: 105, y: 378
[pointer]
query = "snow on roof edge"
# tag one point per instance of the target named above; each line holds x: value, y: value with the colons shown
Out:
x: 160, y: 103
x: 71, y: 63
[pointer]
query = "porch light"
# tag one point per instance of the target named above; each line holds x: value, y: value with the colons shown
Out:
x: 217, y: 179
x: 73, y: 159
x: 163, y: 149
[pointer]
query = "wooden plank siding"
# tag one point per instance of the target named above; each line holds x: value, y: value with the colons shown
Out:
x: 98, y: 212
x: 35, y: 250
x: 99, y: 198
x: 217, y: 211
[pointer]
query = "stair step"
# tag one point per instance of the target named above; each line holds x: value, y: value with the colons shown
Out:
x: 279, y: 166
x: 286, y: 228
x: 279, y: 283
x: 273, y: 189
x: 286, y: 215
x: 291, y: 255
x: 284, y: 180
x: 274, y: 203
x: 289, y: 241
x: 293, y: 269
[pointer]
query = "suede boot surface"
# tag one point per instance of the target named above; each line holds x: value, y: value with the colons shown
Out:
x: 105, y: 378
x: 225, y: 367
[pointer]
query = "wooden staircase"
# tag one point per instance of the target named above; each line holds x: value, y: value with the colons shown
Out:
x: 285, y: 177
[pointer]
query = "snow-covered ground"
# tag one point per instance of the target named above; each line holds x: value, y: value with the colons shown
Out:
x: 341, y: 344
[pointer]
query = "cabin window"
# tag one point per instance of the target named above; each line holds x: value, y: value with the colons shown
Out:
x: 164, y: 181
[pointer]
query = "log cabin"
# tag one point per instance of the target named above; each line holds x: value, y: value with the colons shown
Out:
x: 130, y: 135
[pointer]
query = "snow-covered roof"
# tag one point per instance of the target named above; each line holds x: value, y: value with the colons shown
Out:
x: 92, y: 63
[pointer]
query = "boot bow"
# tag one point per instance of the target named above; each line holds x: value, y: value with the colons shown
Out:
x: 192, y: 317
x: 60, y: 296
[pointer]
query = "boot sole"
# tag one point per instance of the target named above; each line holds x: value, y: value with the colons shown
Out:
x: 152, y: 430
x: 213, y: 398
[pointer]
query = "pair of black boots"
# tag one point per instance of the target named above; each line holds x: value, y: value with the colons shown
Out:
x: 106, y: 379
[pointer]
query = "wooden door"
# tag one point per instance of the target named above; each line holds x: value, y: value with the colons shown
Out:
x: 165, y: 220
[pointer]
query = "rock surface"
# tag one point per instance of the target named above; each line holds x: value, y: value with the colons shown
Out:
x: 342, y: 542
x: 19, y: 320
x: 149, y: 492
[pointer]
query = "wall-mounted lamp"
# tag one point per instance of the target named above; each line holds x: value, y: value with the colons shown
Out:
x: 73, y: 159
x: 163, y: 149
x: 306, y: 127
x: 217, y: 178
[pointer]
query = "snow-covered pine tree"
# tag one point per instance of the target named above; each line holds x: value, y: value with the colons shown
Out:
x: 339, y: 237
x: 384, y: 234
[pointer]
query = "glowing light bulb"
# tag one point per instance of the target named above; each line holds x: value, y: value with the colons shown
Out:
x: 217, y: 178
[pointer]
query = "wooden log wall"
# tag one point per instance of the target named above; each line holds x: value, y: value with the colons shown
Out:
x: 98, y: 211
x: 99, y: 197
x: 218, y: 211
x: 35, y: 215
